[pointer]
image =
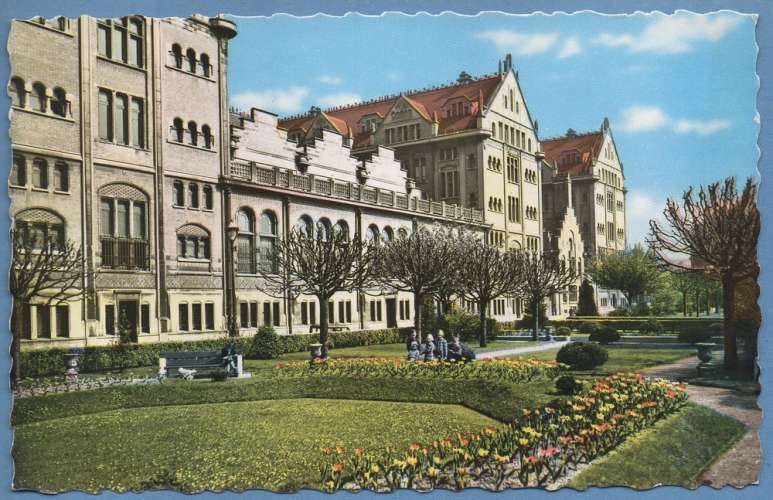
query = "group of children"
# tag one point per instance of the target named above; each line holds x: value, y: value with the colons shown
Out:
x: 429, y: 350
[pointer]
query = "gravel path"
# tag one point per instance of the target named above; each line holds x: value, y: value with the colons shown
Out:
x: 546, y: 346
x: 740, y: 465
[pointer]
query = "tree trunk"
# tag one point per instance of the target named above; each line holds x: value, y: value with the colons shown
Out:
x: 728, y: 304
x: 684, y: 303
x: 708, y: 303
x: 483, y: 326
x: 697, y: 304
x: 17, y: 321
x: 323, y: 324
x: 535, y: 331
x: 418, y: 309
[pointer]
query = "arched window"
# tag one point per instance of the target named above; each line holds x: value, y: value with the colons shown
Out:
x: 193, y: 131
x: 193, y: 242
x: 191, y: 55
x: 206, y: 132
x: 124, y: 227
x: 389, y: 235
x: 342, y: 228
x: 267, y: 241
x: 193, y: 195
x: 208, y: 201
x: 372, y: 235
x: 59, y: 102
x: 178, y: 130
x: 323, y: 228
x: 305, y: 226
x: 178, y: 194
x: 38, y: 228
x: 205, y: 66
x: 17, y: 92
x: 245, y: 243
x: 39, y: 97
x: 19, y: 171
x: 40, y: 173
x: 177, y: 53
x: 402, y: 233
x: 61, y: 177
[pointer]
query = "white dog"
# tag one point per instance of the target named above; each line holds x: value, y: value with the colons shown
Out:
x: 186, y: 373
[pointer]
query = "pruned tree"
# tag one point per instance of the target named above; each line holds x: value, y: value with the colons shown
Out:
x: 48, y: 273
x: 586, y: 303
x: 422, y: 263
x: 543, y: 275
x: 319, y: 265
x: 485, y: 273
x: 280, y: 285
x: 720, y: 227
x: 682, y: 280
x: 634, y: 272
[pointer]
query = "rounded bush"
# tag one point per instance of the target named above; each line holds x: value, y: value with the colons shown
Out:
x: 566, y: 385
x: 589, y: 327
x: 582, y: 356
x: 651, y: 327
x: 716, y: 329
x: 563, y: 331
x: 695, y: 334
x: 265, y: 344
x: 605, y: 335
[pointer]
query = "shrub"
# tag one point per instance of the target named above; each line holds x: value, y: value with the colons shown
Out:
x: 589, y: 327
x: 619, y: 313
x: 563, y: 331
x: 716, y: 329
x: 641, y: 309
x: 605, y: 335
x: 466, y: 326
x: 651, y: 326
x: 566, y: 385
x: 582, y: 356
x: 265, y: 343
x: 694, y: 334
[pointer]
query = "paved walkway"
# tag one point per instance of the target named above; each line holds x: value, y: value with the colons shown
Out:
x: 515, y: 351
x: 740, y: 465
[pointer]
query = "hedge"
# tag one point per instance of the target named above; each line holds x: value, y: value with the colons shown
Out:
x: 47, y: 362
x: 670, y: 325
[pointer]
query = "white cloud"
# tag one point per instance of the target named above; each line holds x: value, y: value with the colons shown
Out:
x: 641, y: 208
x: 288, y: 100
x: 649, y: 118
x: 699, y: 127
x: 643, y: 118
x: 339, y: 99
x: 522, y: 44
x: 571, y: 47
x: 673, y: 34
x: 330, y: 79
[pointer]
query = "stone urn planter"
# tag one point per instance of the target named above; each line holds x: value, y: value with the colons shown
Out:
x: 316, y: 351
x: 704, y: 352
x: 71, y: 367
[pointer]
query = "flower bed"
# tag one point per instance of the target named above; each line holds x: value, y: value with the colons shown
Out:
x: 539, y: 448
x: 510, y: 370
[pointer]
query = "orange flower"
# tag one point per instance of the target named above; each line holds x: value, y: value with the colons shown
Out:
x: 415, y: 446
x: 327, y: 451
x: 359, y: 451
x: 337, y: 467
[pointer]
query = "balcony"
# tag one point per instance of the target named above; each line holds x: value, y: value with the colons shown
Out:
x: 125, y: 253
x: 337, y: 189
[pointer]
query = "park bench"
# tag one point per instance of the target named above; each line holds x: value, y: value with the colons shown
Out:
x: 169, y: 363
x: 330, y: 328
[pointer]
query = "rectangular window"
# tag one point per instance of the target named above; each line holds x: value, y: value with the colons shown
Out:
x: 407, y: 309
x: 378, y: 310
x: 304, y: 313
x: 209, y: 316
x: 182, y: 317
x: 348, y: 311
x: 341, y: 313
x: 19, y: 172
x: 313, y: 312
x: 145, y: 318
x: 373, y: 310
x: 103, y: 40
x: 267, y: 313
x: 138, y: 211
x: 402, y: 315
x: 106, y: 217
x: 119, y: 43
x: 331, y: 311
x: 276, y: 313
x: 138, y: 123
x: 196, y: 311
x: 105, y: 117
x: 63, y: 321
x: 122, y: 218
x: 244, y: 314
x: 135, y: 51
x: 61, y: 178
x: 254, y: 314
x: 110, y: 319
x: 120, y: 122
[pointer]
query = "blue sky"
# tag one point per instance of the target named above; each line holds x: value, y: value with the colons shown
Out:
x: 679, y: 90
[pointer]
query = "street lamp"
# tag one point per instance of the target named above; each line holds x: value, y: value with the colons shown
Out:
x: 232, y: 231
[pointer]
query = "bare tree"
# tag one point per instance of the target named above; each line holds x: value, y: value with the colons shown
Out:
x: 720, y: 227
x: 319, y: 265
x: 278, y: 285
x: 421, y: 264
x: 485, y: 273
x: 50, y: 273
x: 542, y: 276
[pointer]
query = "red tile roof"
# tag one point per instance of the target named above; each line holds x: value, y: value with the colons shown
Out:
x: 429, y: 103
x: 587, y: 145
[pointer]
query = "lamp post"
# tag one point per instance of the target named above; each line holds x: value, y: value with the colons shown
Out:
x: 232, y: 231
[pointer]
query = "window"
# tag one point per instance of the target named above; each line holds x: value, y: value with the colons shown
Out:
x: 135, y: 42
x: 59, y: 102
x: 193, y: 133
x: 323, y: 229
x: 145, y: 318
x: 62, y: 320
x: 40, y: 174
x: 245, y: 243
x: 206, y: 68
x: 109, y: 319
x: 341, y: 227
x: 193, y: 242
x: 276, y: 313
x: 177, y: 54
x: 19, y: 171
x: 267, y: 241
x: 182, y: 317
x: 44, y: 321
x: 206, y: 133
x: 196, y: 313
x: 389, y: 234
x: 209, y: 316
x: 244, y: 314
x: 121, y: 120
x: 17, y: 92
x: 179, y: 132
x: 118, y: 44
x: 191, y: 56
x: 137, y: 123
x: 193, y: 195
x: 123, y: 228
x: 305, y: 226
x: 341, y: 311
x: 208, y: 201
x: 267, y: 313
x: 372, y: 234
x: 449, y: 184
x: 178, y: 194
x: 103, y: 40
x: 61, y: 177
x: 105, y: 115
x: 39, y: 98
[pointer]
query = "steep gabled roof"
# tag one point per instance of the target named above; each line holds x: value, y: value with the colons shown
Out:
x: 588, y: 145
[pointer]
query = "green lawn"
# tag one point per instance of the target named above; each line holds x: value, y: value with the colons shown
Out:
x: 674, y: 451
x: 256, y: 444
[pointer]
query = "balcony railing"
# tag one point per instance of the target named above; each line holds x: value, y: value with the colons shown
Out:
x: 125, y: 253
x: 333, y: 188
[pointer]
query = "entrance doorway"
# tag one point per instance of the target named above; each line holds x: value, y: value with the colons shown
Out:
x: 128, y: 318
x: 391, y: 313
